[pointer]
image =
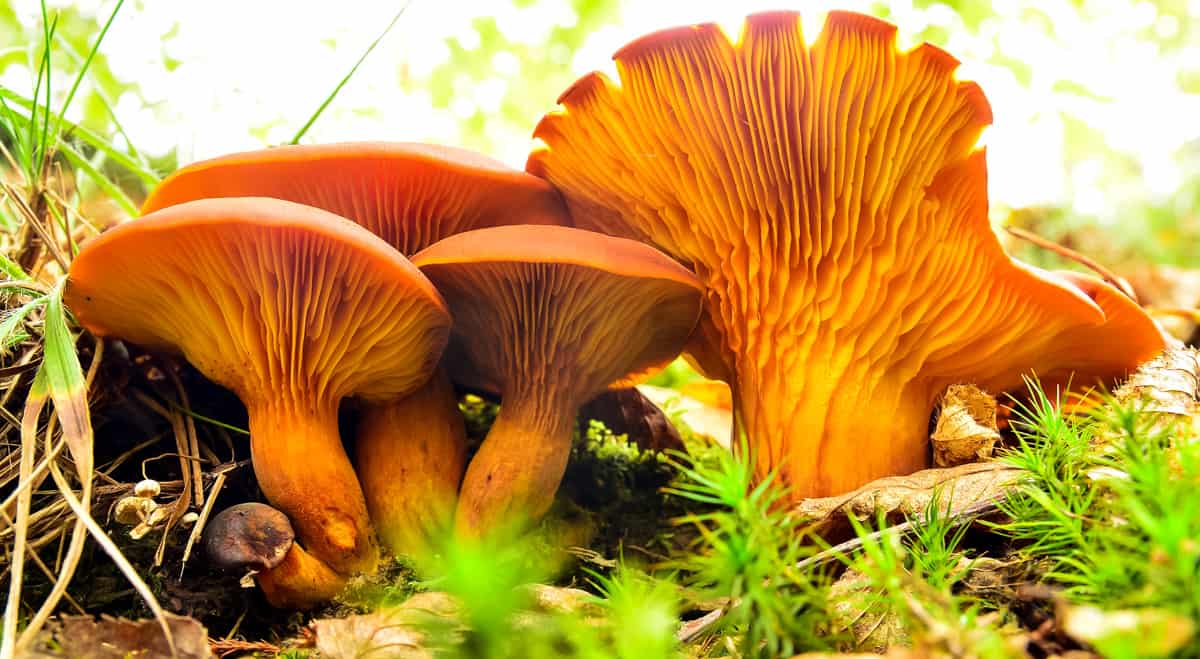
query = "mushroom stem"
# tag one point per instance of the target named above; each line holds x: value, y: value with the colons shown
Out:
x: 301, y: 581
x: 410, y: 455
x: 518, y: 468
x: 889, y: 424
x: 304, y: 471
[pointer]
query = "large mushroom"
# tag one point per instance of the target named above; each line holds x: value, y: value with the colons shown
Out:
x: 548, y: 317
x: 410, y: 453
x: 834, y: 202
x: 291, y: 307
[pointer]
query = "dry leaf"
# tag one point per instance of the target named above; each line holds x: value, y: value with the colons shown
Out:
x: 1168, y: 385
x: 711, y: 423
x: 83, y: 637
x: 552, y: 599
x: 901, y: 496
x: 396, y: 631
x: 857, y: 610
x: 966, y: 427
x: 390, y: 632
x: 629, y: 412
x: 1127, y: 633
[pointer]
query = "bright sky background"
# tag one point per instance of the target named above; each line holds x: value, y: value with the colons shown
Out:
x: 251, y: 71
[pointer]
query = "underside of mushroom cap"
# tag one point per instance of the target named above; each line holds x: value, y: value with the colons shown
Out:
x: 410, y: 194
x: 556, y: 307
x: 548, y: 317
x: 264, y: 296
x: 293, y: 308
x: 833, y: 201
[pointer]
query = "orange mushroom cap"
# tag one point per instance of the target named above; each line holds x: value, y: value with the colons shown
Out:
x: 832, y: 199
x: 291, y: 307
x: 409, y: 194
x: 548, y: 317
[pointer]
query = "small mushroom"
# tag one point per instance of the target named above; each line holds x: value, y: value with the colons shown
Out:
x: 133, y: 510
x: 548, y: 317
x: 257, y: 538
x: 410, y: 453
x: 252, y: 536
x: 831, y: 196
x: 291, y: 307
x: 148, y: 488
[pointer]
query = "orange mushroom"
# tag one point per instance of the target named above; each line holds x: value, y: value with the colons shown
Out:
x: 833, y: 201
x: 548, y: 317
x: 291, y: 307
x: 411, y: 195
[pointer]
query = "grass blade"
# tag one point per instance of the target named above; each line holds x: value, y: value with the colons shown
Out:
x: 329, y: 99
x: 91, y: 138
x: 111, y: 189
x: 12, y: 321
x: 87, y: 63
x: 34, y: 403
x: 65, y: 382
x: 12, y: 270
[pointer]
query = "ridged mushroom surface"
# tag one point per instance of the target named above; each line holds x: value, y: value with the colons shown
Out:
x: 833, y: 201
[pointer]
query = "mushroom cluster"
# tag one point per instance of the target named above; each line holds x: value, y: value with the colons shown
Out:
x: 284, y: 275
x: 808, y: 221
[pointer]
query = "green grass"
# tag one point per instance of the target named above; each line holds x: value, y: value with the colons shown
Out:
x: 1109, y: 505
x: 746, y: 554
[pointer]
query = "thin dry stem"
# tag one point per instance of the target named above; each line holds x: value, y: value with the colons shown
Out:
x: 1086, y: 261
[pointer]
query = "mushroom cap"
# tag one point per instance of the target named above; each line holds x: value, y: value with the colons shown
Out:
x: 558, y: 307
x: 248, y: 535
x: 833, y: 200
x: 410, y: 194
x: 265, y: 297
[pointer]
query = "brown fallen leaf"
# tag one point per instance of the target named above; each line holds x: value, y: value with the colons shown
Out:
x: 391, y: 632
x: 707, y: 422
x: 398, y: 631
x: 898, y: 497
x: 857, y: 610
x: 1168, y: 385
x: 84, y: 637
x: 966, y: 426
x: 629, y: 412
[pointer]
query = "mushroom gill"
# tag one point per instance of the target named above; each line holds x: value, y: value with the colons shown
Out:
x: 291, y: 307
x: 833, y: 201
x: 548, y: 317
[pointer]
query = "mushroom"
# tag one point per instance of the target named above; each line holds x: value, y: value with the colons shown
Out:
x: 248, y: 535
x: 410, y: 457
x: 291, y: 307
x: 412, y: 195
x: 259, y: 539
x: 409, y: 194
x: 548, y: 317
x: 833, y: 200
